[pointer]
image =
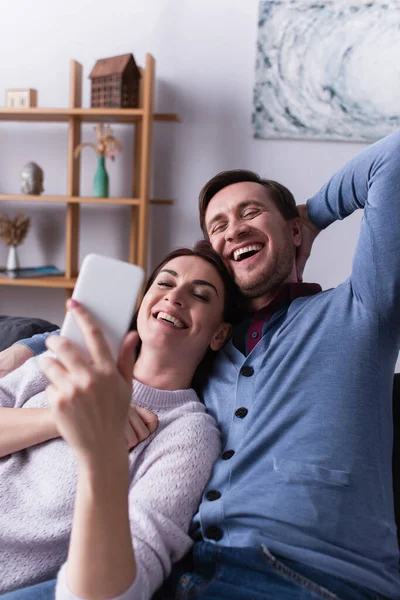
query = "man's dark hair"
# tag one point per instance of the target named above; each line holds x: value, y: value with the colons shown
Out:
x: 279, y: 194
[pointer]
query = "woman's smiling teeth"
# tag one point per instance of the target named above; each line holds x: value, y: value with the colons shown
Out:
x: 170, y: 319
x: 241, y: 253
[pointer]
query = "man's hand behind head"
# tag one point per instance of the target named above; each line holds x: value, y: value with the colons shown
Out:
x: 309, y: 232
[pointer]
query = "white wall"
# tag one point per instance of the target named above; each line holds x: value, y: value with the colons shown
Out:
x: 205, y: 53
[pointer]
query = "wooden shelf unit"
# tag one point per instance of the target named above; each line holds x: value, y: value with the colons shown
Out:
x: 86, y: 115
x: 142, y: 119
x: 80, y: 200
x: 53, y: 281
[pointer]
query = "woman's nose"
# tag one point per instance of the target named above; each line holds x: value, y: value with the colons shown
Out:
x: 174, y: 297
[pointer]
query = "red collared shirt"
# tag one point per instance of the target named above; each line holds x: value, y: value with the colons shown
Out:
x: 282, y: 299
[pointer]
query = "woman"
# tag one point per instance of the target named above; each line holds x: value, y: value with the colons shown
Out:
x: 131, y: 512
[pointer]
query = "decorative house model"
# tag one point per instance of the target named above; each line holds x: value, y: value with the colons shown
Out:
x: 21, y: 98
x: 115, y: 82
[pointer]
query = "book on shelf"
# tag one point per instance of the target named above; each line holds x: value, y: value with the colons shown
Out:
x: 46, y: 271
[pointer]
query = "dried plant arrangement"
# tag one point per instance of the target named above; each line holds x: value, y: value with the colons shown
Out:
x: 13, y: 231
x: 107, y: 145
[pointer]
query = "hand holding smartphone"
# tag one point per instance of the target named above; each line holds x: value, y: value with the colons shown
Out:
x: 109, y: 289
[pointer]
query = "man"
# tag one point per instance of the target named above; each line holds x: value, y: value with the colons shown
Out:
x: 300, y: 502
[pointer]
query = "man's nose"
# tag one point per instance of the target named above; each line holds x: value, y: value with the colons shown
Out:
x: 235, y: 230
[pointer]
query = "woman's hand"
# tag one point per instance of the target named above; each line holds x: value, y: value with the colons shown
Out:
x: 89, y: 398
x: 141, y: 423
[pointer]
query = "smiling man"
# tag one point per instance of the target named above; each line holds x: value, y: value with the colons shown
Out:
x: 254, y: 225
x: 300, y: 501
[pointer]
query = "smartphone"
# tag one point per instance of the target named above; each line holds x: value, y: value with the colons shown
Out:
x: 109, y: 289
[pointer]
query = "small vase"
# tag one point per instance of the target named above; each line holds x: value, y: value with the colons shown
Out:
x: 12, y: 259
x: 100, y: 184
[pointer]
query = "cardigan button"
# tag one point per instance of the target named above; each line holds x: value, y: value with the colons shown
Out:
x: 247, y: 371
x: 241, y: 412
x: 227, y: 454
x: 213, y: 495
x: 214, y: 533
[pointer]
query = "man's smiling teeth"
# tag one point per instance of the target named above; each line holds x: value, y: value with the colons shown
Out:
x: 252, y: 248
x: 166, y: 317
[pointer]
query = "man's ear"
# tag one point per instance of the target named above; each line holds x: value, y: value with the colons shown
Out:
x: 221, y: 336
x: 295, y: 228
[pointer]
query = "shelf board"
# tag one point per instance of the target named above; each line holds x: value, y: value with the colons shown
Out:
x: 54, y: 281
x: 79, y: 199
x: 88, y: 115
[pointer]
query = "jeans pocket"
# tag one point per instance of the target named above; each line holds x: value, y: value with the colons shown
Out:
x: 191, y: 585
x: 296, y: 578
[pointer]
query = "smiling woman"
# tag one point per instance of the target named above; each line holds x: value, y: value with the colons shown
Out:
x: 129, y: 513
x: 188, y: 308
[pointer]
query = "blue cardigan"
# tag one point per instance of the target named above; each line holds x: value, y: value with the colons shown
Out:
x: 307, y: 471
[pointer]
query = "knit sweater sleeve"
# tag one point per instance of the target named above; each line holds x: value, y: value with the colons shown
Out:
x: 163, y: 498
x: 370, y: 181
x: 20, y: 385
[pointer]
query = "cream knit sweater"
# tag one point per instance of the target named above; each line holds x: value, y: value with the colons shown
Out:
x: 167, y: 472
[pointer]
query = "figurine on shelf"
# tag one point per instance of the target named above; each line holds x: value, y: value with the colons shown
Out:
x: 107, y: 147
x: 115, y: 82
x: 13, y: 232
x: 32, y: 177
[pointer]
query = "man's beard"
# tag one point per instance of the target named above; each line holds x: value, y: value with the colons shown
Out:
x: 271, y: 278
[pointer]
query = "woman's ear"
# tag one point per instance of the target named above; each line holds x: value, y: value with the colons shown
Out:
x: 221, y: 336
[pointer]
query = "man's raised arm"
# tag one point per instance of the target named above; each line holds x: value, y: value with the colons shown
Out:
x: 370, y: 181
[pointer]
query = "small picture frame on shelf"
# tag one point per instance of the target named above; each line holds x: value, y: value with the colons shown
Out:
x: 21, y: 98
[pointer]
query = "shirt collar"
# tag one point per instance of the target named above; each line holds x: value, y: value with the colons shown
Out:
x: 248, y: 333
x: 284, y: 296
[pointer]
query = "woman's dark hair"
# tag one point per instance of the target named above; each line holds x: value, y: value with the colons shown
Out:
x: 203, y: 250
x: 279, y: 194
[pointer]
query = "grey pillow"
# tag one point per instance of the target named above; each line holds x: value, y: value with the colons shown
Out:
x: 13, y: 329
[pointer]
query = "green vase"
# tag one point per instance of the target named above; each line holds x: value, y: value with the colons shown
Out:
x: 100, y: 184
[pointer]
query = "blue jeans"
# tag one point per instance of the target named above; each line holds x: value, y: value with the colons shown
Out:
x: 217, y: 573
x: 41, y: 591
x: 214, y: 573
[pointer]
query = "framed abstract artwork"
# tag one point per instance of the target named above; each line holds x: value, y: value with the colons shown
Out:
x: 327, y: 70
